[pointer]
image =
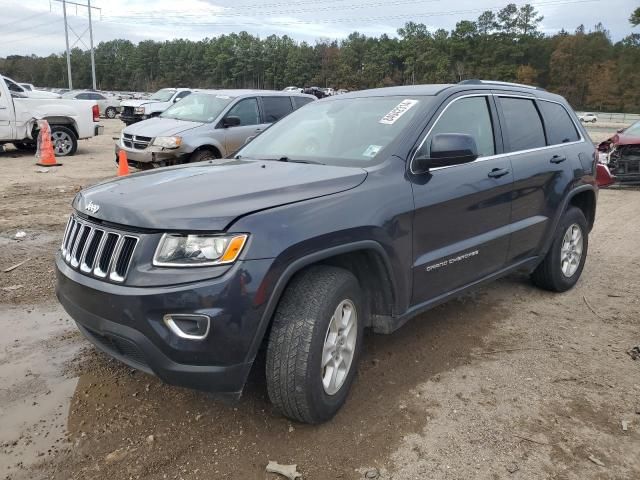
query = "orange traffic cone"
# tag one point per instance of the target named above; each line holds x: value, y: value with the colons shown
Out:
x: 45, y: 150
x: 123, y: 164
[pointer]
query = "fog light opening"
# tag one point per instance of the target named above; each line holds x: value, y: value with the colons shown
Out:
x: 188, y: 326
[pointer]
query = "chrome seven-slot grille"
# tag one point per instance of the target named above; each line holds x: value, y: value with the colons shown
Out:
x: 96, y: 251
x: 135, y: 141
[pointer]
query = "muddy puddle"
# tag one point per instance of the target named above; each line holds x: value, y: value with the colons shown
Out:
x: 35, y: 345
x: 71, y: 412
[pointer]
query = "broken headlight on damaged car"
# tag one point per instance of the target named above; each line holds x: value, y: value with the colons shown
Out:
x: 198, y: 250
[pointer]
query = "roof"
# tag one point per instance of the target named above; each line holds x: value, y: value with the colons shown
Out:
x: 234, y: 93
x: 404, y: 90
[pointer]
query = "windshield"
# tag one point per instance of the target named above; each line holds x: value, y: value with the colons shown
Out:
x: 198, y: 107
x: 163, y: 95
x: 633, y: 130
x: 349, y: 132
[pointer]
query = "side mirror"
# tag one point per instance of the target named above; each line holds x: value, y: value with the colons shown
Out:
x: 230, y: 122
x: 177, y: 99
x: 446, y: 149
x: 620, y: 130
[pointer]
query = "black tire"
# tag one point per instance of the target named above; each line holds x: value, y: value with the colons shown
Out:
x: 110, y: 112
x: 71, y: 138
x: 549, y: 275
x: 294, y: 352
x: 203, y: 155
x: 25, y: 146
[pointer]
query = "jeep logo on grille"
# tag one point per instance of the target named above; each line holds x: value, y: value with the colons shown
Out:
x: 92, y: 207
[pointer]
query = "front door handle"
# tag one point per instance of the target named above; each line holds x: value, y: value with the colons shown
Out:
x: 558, y: 159
x: 498, y: 172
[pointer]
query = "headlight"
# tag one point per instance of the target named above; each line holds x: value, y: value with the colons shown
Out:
x: 177, y: 250
x: 167, y: 142
x: 138, y: 110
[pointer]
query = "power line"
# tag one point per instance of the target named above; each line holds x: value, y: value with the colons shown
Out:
x: 23, y: 19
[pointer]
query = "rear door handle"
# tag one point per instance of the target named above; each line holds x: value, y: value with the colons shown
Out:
x: 498, y: 172
x: 557, y: 159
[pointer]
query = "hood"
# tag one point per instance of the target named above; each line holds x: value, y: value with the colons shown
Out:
x: 622, y: 139
x: 209, y: 197
x: 134, y: 103
x: 160, y: 127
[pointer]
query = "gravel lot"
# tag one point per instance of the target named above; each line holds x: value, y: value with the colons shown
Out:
x: 509, y: 382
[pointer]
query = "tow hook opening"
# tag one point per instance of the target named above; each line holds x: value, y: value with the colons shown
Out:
x: 188, y: 326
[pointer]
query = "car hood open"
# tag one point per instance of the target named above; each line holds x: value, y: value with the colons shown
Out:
x: 160, y: 127
x: 209, y: 197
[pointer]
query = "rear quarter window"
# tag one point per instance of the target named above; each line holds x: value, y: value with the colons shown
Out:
x: 523, y: 125
x: 560, y: 127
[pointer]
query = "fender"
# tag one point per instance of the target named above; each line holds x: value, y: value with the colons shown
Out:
x: 298, y: 265
x: 202, y: 142
x: 556, y: 220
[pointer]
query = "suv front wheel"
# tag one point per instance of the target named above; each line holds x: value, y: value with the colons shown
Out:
x: 562, y: 267
x: 315, y: 343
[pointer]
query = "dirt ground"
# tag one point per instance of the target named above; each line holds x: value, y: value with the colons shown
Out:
x: 509, y: 382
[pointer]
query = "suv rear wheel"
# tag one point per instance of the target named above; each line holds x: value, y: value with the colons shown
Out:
x: 562, y: 267
x: 315, y: 343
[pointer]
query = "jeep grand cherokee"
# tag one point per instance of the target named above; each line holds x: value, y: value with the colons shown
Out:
x: 357, y: 211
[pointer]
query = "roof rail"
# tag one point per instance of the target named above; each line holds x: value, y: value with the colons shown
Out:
x: 475, y: 81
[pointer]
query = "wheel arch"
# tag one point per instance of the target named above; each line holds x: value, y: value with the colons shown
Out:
x: 208, y: 146
x: 583, y: 197
x: 366, y: 259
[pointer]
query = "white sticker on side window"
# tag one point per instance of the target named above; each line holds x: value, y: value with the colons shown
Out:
x: 399, y: 110
x: 371, y: 151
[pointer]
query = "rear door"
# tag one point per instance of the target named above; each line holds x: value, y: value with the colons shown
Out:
x: 462, y: 212
x: 539, y: 136
x: 248, y: 111
x: 275, y: 107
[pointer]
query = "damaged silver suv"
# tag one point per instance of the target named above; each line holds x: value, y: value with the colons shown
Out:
x: 205, y: 125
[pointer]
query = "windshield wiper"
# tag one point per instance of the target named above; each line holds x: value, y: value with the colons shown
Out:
x: 290, y: 160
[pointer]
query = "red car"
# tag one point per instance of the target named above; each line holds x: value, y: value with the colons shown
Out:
x: 622, y: 154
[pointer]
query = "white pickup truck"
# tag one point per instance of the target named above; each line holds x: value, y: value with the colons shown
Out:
x: 70, y: 120
x: 137, y: 110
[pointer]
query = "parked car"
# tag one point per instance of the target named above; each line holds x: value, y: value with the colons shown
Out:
x: 292, y: 89
x: 588, y: 117
x: 315, y: 91
x: 205, y: 125
x: 13, y: 86
x: 70, y: 120
x: 621, y: 154
x: 137, y: 110
x: 109, y: 106
x: 358, y: 211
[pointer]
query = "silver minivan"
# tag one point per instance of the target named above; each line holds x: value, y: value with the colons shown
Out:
x: 205, y: 125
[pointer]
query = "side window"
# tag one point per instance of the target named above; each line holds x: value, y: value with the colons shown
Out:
x: 13, y: 87
x: 247, y: 111
x: 470, y: 116
x: 275, y: 108
x: 182, y: 94
x: 97, y: 96
x: 523, y: 126
x: 560, y: 127
x: 300, y: 102
x: 83, y: 96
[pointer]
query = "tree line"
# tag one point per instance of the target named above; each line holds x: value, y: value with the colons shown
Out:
x: 585, y: 66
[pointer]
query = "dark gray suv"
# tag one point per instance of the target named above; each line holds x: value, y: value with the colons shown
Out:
x: 357, y: 211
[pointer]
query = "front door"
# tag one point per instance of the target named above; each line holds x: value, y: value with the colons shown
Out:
x: 248, y: 112
x: 462, y: 212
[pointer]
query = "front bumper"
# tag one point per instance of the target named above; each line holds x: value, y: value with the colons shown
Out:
x: 150, y: 154
x: 126, y: 323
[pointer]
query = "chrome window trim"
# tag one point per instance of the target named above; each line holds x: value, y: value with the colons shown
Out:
x: 499, y: 155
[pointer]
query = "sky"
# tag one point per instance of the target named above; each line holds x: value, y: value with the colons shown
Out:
x: 37, y: 27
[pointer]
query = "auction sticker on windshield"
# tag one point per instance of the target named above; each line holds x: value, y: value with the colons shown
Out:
x: 399, y: 110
